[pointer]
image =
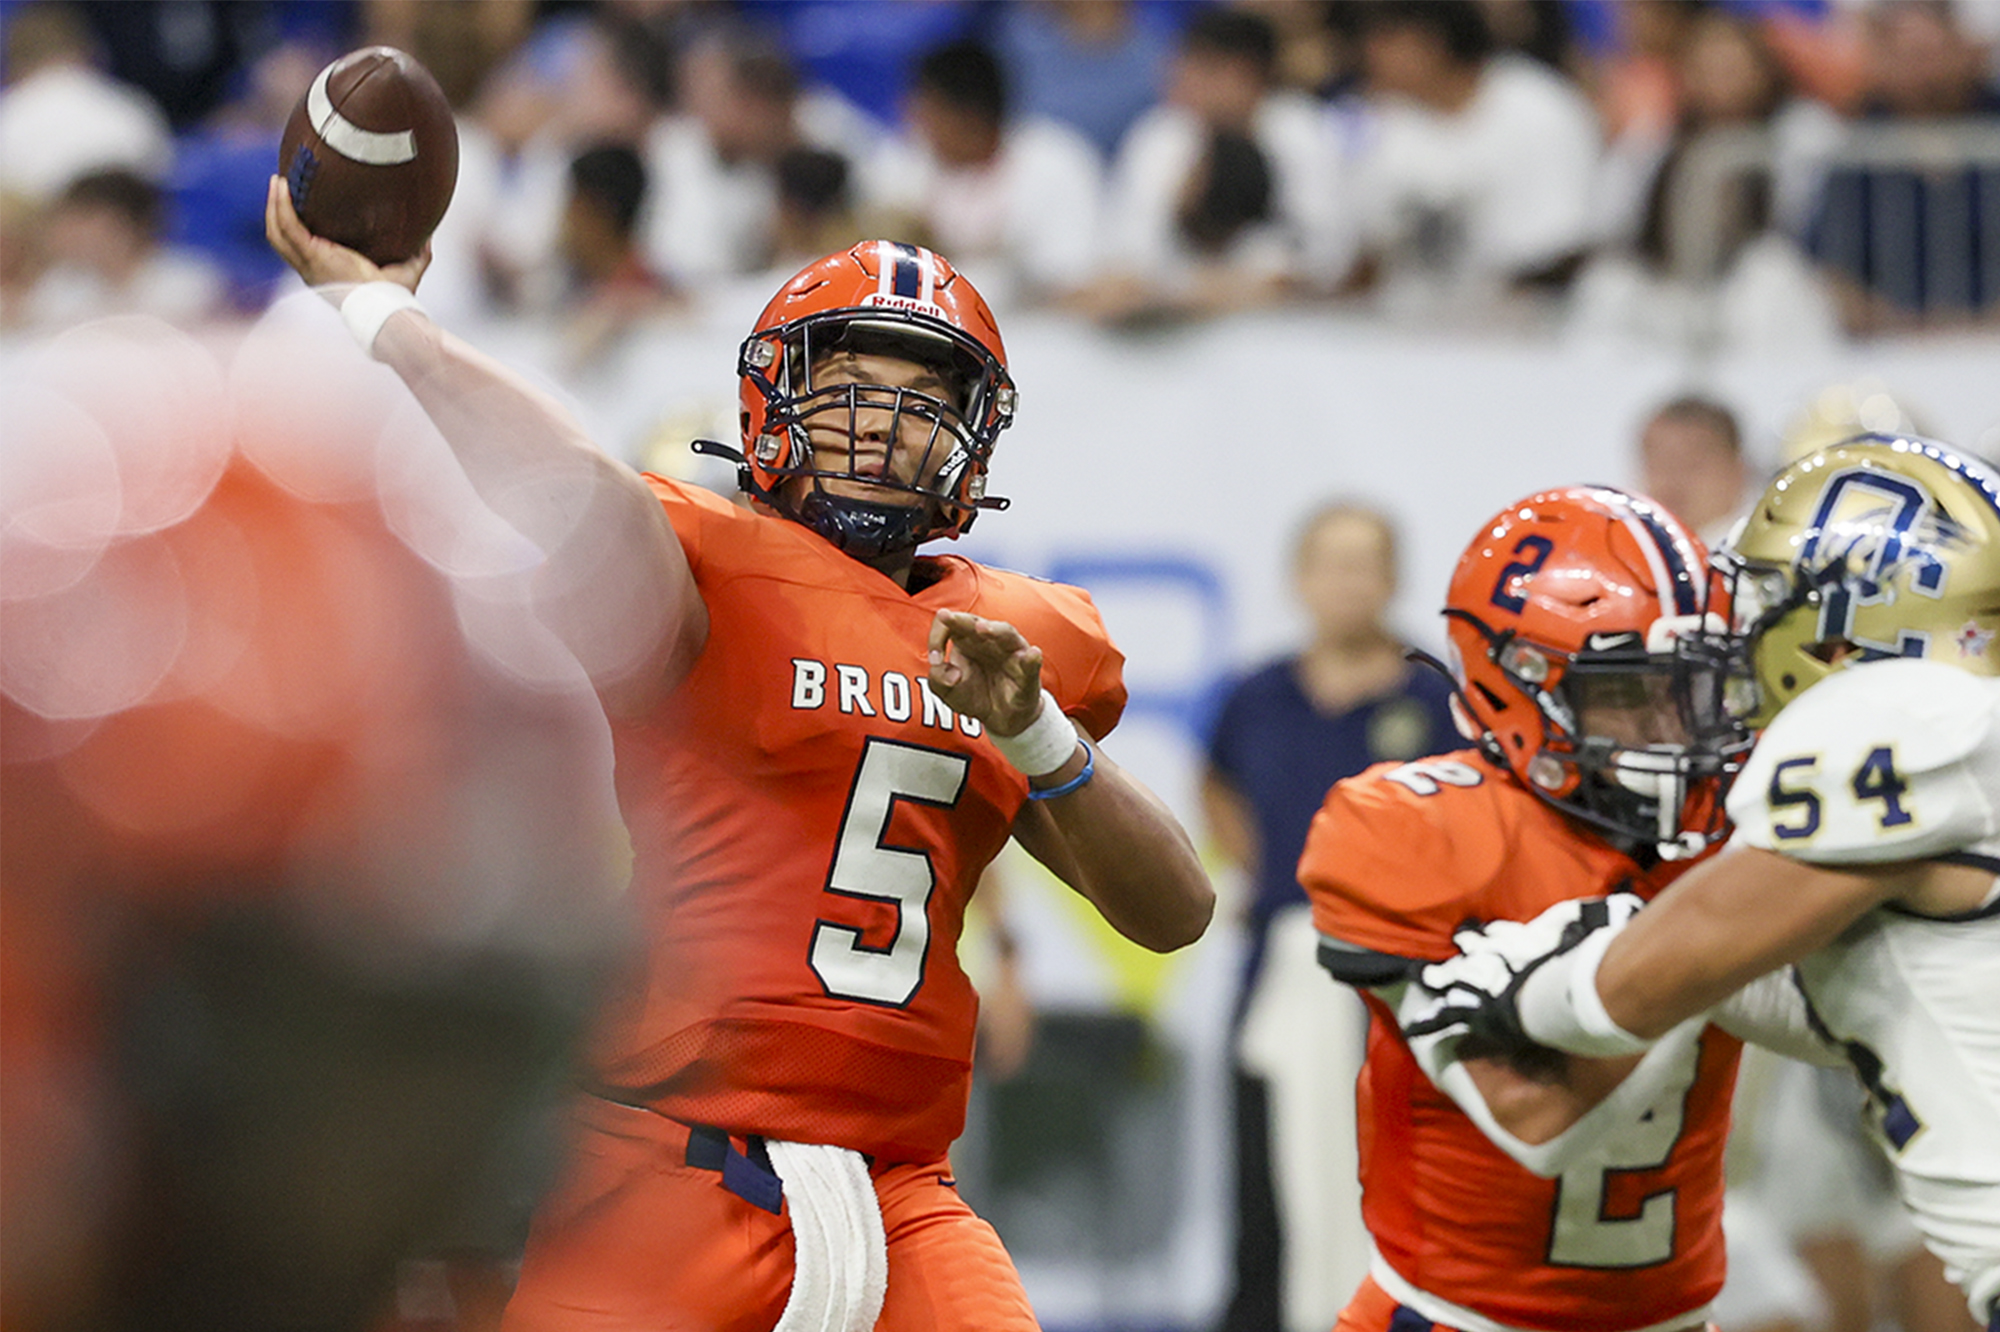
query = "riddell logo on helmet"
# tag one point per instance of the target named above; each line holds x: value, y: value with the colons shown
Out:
x: 909, y: 303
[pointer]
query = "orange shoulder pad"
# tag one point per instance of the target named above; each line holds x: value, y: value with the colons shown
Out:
x: 1401, y: 854
x: 691, y: 509
x: 1080, y: 666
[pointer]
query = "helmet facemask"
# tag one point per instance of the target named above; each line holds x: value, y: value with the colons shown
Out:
x: 1652, y: 743
x: 1634, y: 740
x: 911, y: 459
x: 1777, y: 614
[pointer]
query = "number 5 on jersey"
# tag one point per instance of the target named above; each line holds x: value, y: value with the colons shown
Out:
x: 865, y: 866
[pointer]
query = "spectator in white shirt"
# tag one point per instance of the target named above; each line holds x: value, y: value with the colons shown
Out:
x: 580, y: 80
x: 714, y: 163
x: 816, y: 210
x: 1722, y: 273
x: 102, y: 243
x: 1224, y: 83
x: 1014, y: 201
x: 1475, y: 169
x: 60, y: 116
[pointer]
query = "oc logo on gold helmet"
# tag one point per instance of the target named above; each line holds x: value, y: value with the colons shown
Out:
x: 1881, y: 546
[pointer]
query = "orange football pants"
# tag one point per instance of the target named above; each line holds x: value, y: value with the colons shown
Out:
x: 634, y: 1239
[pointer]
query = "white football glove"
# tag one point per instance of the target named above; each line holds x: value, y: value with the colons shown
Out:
x: 1478, y: 993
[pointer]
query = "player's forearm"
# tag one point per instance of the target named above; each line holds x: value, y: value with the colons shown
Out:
x: 1551, y: 1119
x: 1537, y: 1110
x: 1649, y: 982
x: 1725, y: 924
x: 526, y: 455
x: 615, y: 584
x: 1118, y: 844
x: 1545, y: 1109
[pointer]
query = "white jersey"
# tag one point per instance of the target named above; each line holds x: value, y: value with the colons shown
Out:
x: 1895, y: 761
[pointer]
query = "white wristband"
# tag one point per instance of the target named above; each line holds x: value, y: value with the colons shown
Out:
x: 1560, y: 1006
x: 1046, y: 745
x: 365, y: 309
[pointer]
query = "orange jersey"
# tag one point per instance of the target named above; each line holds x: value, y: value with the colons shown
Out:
x: 1397, y: 858
x: 809, y: 823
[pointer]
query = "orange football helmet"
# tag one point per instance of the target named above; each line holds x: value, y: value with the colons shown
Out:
x: 879, y: 298
x: 1590, y: 649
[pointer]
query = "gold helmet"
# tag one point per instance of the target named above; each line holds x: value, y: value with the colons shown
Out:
x: 1881, y: 546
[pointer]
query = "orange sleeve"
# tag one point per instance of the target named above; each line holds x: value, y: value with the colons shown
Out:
x: 1080, y: 666
x: 691, y: 509
x: 1098, y: 700
x: 1393, y: 868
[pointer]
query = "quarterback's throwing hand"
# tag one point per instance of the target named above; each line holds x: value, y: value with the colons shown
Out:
x: 321, y: 261
x: 985, y: 669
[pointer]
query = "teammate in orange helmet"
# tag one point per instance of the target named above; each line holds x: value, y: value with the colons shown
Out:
x: 1581, y: 634
x: 822, y: 737
x: 1863, y: 878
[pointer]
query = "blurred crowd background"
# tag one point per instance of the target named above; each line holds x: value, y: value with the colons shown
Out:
x: 1752, y: 172
x: 1417, y: 257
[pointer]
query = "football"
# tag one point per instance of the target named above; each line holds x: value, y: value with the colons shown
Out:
x: 371, y: 154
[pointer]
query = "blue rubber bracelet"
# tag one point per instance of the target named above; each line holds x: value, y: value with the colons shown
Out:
x: 1089, y: 771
